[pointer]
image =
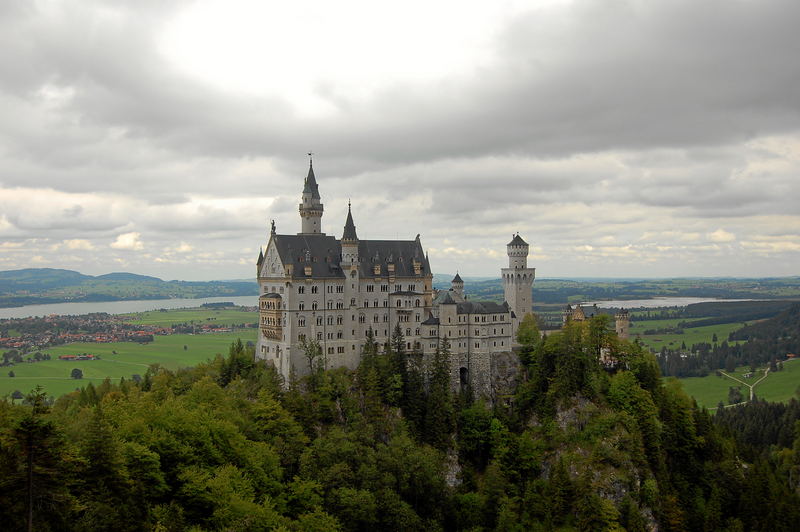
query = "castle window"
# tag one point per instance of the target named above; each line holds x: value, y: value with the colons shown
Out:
x: 301, y: 289
x: 339, y: 305
x: 330, y: 320
x: 385, y: 302
x: 416, y: 303
x: 339, y: 320
x: 340, y: 349
x: 314, y: 305
x: 319, y: 320
x: 375, y: 303
x: 301, y: 321
x: 477, y: 345
x: 330, y: 336
x: 385, y: 318
x: 339, y: 336
x: 330, y: 289
x: 384, y: 288
x: 301, y: 337
x: 330, y: 350
x: 408, y: 332
x: 416, y: 332
x: 353, y: 302
x: 301, y: 306
x: 416, y: 317
x: 375, y: 318
x: 313, y: 289
x: 370, y: 288
x: 399, y: 303
x: 319, y: 336
x: 330, y: 304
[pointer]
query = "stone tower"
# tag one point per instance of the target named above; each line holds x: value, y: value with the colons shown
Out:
x: 457, y: 285
x: 311, y: 207
x: 623, y: 322
x: 518, y: 280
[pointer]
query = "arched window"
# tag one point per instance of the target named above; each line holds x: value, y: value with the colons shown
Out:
x: 416, y: 303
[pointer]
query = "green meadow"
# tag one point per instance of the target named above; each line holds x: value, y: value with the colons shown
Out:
x: 690, y: 336
x: 197, y: 316
x: 779, y: 386
x: 118, y: 359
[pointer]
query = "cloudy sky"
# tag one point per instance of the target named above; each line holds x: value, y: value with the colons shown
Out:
x: 620, y: 138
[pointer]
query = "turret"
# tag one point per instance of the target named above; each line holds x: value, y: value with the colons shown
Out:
x: 517, y: 251
x: 349, y: 240
x: 622, y: 324
x: 311, y: 207
x: 457, y: 286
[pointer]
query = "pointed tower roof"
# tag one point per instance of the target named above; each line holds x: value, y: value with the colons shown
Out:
x: 517, y: 241
x: 311, y: 182
x: 260, y: 256
x: 349, y: 226
x: 457, y: 279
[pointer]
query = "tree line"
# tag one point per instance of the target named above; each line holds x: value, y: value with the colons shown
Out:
x: 591, y: 439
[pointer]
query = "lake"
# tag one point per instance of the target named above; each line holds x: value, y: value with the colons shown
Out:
x: 657, y: 302
x: 119, y: 307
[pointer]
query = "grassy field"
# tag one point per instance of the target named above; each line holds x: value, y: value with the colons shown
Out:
x: 691, y: 336
x: 130, y: 358
x: 198, y: 316
x: 778, y: 386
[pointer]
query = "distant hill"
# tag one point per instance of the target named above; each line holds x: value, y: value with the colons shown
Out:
x: 32, y: 286
x: 124, y: 276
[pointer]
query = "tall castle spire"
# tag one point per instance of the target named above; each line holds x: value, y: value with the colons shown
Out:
x: 311, y: 208
x: 349, y: 227
x: 349, y: 239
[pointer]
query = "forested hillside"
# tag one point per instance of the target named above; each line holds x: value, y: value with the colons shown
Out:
x: 591, y: 440
x: 50, y: 285
x: 762, y: 342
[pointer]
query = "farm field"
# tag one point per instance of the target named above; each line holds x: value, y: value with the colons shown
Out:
x: 691, y: 336
x: 778, y: 386
x: 198, y: 316
x: 130, y: 358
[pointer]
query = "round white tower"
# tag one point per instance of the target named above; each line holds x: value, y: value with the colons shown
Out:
x: 518, y: 280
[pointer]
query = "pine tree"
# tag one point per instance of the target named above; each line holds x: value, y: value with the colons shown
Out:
x: 440, y: 418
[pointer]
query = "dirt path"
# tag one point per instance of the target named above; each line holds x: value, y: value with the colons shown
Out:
x: 751, y: 386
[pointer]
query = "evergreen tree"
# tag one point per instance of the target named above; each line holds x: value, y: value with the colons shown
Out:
x: 439, y: 415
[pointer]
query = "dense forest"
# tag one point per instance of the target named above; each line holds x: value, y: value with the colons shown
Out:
x: 762, y: 342
x: 591, y: 439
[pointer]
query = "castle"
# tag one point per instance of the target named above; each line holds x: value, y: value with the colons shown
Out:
x: 622, y: 320
x: 314, y: 286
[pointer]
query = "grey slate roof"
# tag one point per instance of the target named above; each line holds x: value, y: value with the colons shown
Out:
x: 444, y: 298
x: 323, y: 253
x: 349, y: 227
x: 457, y: 279
x: 310, y: 185
x: 481, y: 307
x: 431, y: 321
x: 517, y: 241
